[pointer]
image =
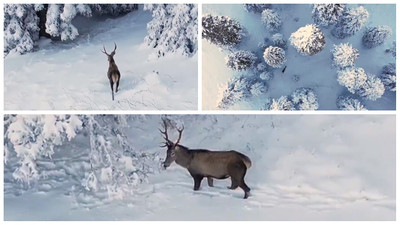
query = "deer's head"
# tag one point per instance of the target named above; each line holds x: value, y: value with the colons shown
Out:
x: 111, y: 55
x: 171, y: 146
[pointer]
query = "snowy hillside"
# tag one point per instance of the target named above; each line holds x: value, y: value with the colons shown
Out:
x: 315, y: 70
x: 73, y: 75
x: 310, y: 167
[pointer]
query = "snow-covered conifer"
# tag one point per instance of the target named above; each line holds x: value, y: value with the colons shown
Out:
x: 374, y: 36
x: 388, y: 76
x: 344, y: 55
x: 222, y: 30
x: 279, y: 41
x: 350, y: 104
x: 266, y: 75
x: 350, y: 22
x: 256, y: 8
x: 305, y: 99
x: 112, y: 9
x: 352, y: 78
x: 372, y: 89
x: 327, y: 14
x: 258, y: 88
x: 281, y: 104
x: 274, y: 56
x: 308, y: 40
x: 240, y: 60
x: 271, y: 20
x: 392, y: 49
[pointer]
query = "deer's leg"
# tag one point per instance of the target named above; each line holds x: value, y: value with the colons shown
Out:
x: 236, y: 171
x: 112, y: 91
x: 116, y: 90
x: 210, y: 181
x: 197, y: 181
x: 245, y: 188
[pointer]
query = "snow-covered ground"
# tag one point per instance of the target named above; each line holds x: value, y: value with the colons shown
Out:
x: 305, y: 167
x: 315, y: 72
x: 72, y: 76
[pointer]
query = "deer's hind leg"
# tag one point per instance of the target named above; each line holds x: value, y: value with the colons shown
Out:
x: 116, y: 89
x: 112, y: 89
x: 210, y: 181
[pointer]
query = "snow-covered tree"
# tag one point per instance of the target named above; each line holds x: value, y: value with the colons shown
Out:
x: 344, y: 55
x: 372, y: 89
x: 388, y: 76
x: 240, y: 60
x: 350, y: 22
x: 327, y: 14
x: 173, y: 28
x: 113, y: 9
x: 281, y: 104
x: 256, y: 8
x: 222, y: 31
x: 392, y: 49
x: 21, y: 30
x: 308, y: 40
x: 279, y: 41
x: 374, y: 36
x: 271, y: 19
x: 349, y: 104
x: 274, y: 56
x: 266, y: 75
x: 352, y: 78
x: 305, y: 99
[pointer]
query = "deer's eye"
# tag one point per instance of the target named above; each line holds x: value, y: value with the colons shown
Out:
x: 172, y: 153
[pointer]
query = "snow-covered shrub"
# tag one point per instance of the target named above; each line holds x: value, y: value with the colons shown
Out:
x: 271, y: 20
x: 112, y: 9
x: 305, y: 99
x: 281, y: 104
x: 308, y: 40
x: 374, y: 36
x: 350, y: 22
x: 21, y: 30
x: 240, y: 60
x: 388, y: 76
x: 222, y: 31
x: 274, y: 56
x: 350, y: 104
x: 256, y: 8
x: 172, y: 29
x: 372, y: 89
x: 392, y: 49
x: 260, y: 67
x: 352, y: 78
x: 279, y: 41
x: 327, y: 14
x: 344, y: 55
x: 266, y: 75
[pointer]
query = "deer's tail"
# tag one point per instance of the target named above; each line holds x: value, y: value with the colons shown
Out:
x: 246, y: 160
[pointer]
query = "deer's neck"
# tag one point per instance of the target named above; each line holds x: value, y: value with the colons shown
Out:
x: 183, y: 156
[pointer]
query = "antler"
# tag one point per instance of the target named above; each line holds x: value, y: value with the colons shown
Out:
x: 115, y: 48
x: 105, y: 52
x: 180, y: 134
x: 165, y: 132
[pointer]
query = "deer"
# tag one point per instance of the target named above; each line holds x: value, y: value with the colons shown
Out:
x: 203, y: 163
x: 113, y: 73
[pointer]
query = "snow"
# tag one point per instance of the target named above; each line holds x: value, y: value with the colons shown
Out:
x: 72, y: 75
x: 314, y: 72
x: 304, y: 167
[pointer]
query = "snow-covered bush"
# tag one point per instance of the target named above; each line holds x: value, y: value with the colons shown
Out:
x: 392, y: 49
x: 388, y: 76
x: 305, y: 99
x: 352, y: 78
x: 271, y: 20
x: 240, y: 60
x: 266, y: 75
x: 274, y: 56
x: 256, y: 8
x: 279, y: 41
x: 327, y: 14
x: 344, y: 55
x: 281, y: 104
x: 349, y: 104
x: 172, y: 29
x: 21, y: 30
x: 222, y: 31
x: 308, y: 40
x: 374, y: 36
x: 372, y: 89
x: 350, y: 22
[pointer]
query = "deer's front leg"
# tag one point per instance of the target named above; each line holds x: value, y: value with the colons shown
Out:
x: 210, y: 181
x: 197, y: 181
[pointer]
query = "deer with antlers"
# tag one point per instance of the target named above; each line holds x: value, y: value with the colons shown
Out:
x: 113, y: 73
x: 203, y: 163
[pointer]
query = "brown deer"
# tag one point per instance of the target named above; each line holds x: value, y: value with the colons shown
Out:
x: 205, y: 163
x: 113, y: 72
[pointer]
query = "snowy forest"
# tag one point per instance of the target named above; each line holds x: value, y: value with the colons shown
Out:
x: 299, y: 57
x: 108, y: 167
x: 53, y: 56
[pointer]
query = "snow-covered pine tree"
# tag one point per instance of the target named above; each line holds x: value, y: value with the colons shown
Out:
x: 266, y: 75
x: 222, y: 31
x: 350, y: 22
x: 372, y: 89
x: 279, y: 41
x: 113, y: 9
x: 352, y: 78
x: 388, y: 76
x: 240, y: 60
x: 344, y: 55
x: 271, y: 19
x: 392, y: 49
x: 173, y: 28
x: 327, y: 14
x: 308, y: 40
x: 256, y: 8
x: 349, y: 104
x: 21, y: 30
x: 274, y: 56
x: 305, y: 99
x: 374, y: 36
x: 281, y: 104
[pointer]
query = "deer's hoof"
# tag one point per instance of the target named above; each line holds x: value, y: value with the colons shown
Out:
x: 246, y: 195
